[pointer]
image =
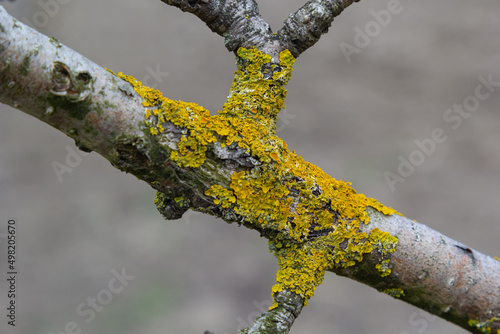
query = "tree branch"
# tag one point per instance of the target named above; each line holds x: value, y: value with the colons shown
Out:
x: 238, y: 21
x: 242, y: 26
x: 233, y: 166
x: 279, y: 319
x: 303, y: 28
x: 55, y: 84
x: 435, y: 273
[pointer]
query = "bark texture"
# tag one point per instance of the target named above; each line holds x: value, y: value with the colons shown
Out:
x: 303, y: 28
x: 240, y: 23
x: 233, y: 166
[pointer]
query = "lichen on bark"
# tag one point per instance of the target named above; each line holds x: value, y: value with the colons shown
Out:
x: 312, y: 221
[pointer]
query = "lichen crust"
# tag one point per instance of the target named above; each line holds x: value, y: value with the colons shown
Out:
x: 485, y: 326
x: 395, y: 292
x: 313, y: 221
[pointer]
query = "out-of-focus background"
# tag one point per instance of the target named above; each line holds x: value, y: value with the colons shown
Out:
x: 356, y: 116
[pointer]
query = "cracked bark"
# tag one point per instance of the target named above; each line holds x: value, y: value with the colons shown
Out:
x: 304, y: 28
x: 105, y: 114
x: 239, y: 22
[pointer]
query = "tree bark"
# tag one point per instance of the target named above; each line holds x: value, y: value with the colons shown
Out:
x: 233, y: 166
x: 303, y: 28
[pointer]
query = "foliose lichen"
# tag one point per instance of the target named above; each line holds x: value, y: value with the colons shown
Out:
x: 312, y: 220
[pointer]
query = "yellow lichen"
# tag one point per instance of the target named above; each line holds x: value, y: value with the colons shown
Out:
x: 285, y: 194
x: 222, y: 196
x: 383, y: 267
x: 263, y: 198
x: 383, y: 241
x: 484, y: 326
x: 190, y: 116
x: 158, y: 199
x: 396, y: 293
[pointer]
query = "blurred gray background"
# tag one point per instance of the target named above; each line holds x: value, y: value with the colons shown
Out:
x: 353, y: 119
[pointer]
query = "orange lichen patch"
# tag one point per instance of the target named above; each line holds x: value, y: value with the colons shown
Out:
x: 284, y: 194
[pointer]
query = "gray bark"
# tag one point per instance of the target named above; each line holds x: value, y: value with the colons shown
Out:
x: 240, y: 23
x: 102, y: 113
